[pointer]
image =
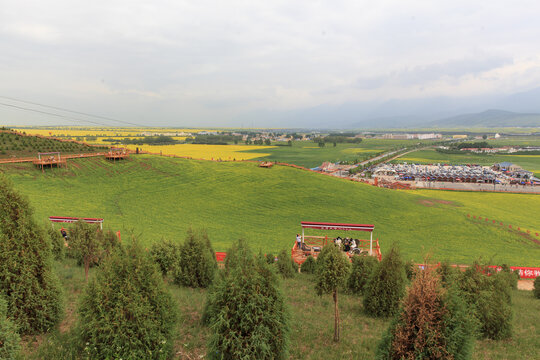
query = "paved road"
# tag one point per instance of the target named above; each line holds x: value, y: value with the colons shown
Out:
x: 379, y: 157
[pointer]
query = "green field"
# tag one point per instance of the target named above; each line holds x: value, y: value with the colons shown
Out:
x: 309, y: 154
x: 431, y: 156
x: 157, y: 197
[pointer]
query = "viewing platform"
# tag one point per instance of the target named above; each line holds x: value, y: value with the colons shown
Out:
x: 117, y: 154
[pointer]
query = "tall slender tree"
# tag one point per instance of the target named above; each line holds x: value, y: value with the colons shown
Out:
x: 332, y: 272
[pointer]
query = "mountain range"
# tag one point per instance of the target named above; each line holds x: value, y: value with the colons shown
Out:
x: 514, y: 110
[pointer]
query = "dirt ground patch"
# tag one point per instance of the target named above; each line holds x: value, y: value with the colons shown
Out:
x: 527, y: 284
x: 427, y: 203
x: 434, y: 202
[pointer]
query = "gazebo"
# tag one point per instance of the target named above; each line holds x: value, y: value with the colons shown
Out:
x: 318, y: 242
x: 68, y: 219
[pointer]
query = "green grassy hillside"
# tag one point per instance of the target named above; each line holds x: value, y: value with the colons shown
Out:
x: 22, y: 145
x: 158, y: 197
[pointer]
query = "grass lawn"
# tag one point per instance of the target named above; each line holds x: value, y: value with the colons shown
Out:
x: 153, y: 197
x: 309, y: 154
x: 312, y: 321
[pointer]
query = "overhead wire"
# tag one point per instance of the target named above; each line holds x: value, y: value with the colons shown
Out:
x: 53, y: 114
x: 66, y: 110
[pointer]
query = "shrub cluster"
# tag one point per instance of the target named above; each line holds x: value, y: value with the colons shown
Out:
x: 536, y: 290
x: 9, y: 338
x: 285, y: 266
x: 246, y: 311
x: 89, y: 245
x: 432, y: 323
x: 309, y: 266
x: 362, y: 267
x: 126, y: 310
x: 196, y: 263
x: 385, y: 286
x: 57, y: 244
x: 490, y: 298
x: 27, y: 281
x: 164, y: 253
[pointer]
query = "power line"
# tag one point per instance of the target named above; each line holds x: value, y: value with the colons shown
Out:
x: 71, y: 111
x: 53, y: 114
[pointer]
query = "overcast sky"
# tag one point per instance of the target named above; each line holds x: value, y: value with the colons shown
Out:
x: 209, y: 63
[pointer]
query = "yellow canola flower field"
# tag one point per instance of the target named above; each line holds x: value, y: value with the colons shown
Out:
x: 207, y: 152
x: 102, y: 131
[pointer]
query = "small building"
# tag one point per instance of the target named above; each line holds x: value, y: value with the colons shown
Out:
x: 507, y: 166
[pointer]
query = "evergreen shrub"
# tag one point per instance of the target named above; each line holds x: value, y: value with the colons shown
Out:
x: 491, y: 301
x: 126, y: 311
x: 86, y: 245
x: 246, y: 311
x: 164, y: 253
x: 446, y: 273
x: 536, y: 288
x: 510, y: 276
x: 309, y: 266
x: 362, y: 267
x: 9, y: 338
x: 432, y: 323
x: 410, y: 269
x: 285, y: 265
x: 196, y: 263
x: 385, y: 286
x: 57, y: 243
x: 27, y: 281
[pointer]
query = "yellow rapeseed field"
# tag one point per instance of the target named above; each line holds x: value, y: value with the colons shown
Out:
x: 104, y: 132
x: 207, y: 152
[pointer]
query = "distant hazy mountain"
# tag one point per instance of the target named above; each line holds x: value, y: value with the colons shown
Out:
x: 520, y: 109
x: 489, y: 118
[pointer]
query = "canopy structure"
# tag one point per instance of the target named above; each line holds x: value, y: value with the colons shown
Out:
x: 68, y: 219
x: 339, y: 226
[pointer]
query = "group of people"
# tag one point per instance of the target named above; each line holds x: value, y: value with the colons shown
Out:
x: 347, y: 244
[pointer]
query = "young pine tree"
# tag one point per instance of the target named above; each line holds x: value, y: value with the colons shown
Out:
x: 164, y: 253
x: 86, y: 245
x: 246, y: 311
x: 432, y: 323
x: 125, y: 310
x: 332, y: 273
x: 285, y: 265
x: 385, y: 286
x: 57, y: 243
x: 536, y: 290
x: 27, y: 281
x: 309, y: 266
x: 490, y: 299
x: 9, y: 338
x: 362, y: 267
x: 196, y: 264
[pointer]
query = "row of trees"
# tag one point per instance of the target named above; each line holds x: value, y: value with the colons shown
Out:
x: 439, y: 315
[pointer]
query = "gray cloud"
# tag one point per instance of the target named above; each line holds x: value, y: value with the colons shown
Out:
x: 207, y: 62
x: 424, y: 74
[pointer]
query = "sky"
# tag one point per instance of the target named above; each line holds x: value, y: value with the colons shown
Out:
x: 231, y: 63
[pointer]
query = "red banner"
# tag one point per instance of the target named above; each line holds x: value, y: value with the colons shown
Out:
x: 524, y: 272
